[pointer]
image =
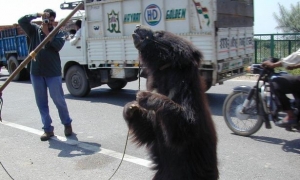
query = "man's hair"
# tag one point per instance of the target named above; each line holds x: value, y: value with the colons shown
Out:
x: 51, y: 12
x: 78, y: 23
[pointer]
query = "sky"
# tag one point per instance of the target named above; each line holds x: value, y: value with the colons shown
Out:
x: 12, y: 10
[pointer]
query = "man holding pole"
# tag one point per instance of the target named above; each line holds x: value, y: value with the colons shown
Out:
x: 45, y: 70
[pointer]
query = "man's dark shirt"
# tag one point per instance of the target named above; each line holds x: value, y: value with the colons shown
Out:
x: 47, y: 62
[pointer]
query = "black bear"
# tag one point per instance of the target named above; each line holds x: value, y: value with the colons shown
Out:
x: 172, y: 118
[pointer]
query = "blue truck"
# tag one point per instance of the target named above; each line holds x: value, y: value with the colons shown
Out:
x: 13, y: 50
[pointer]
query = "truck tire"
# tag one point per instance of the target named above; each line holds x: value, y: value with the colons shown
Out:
x: 12, y: 66
x: 117, y: 85
x: 77, y: 83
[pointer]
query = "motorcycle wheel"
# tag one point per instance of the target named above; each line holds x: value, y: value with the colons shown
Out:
x: 243, y: 124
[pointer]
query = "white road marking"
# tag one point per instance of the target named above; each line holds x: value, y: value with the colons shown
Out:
x: 86, y: 146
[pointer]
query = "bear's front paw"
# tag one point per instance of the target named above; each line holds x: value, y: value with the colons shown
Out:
x: 147, y: 100
x: 142, y: 98
x: 129, y: 109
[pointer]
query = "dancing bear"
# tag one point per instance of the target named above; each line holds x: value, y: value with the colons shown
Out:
x: 172, y: 117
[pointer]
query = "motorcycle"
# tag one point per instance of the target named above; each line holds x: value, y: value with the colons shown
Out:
x: 247, y: 108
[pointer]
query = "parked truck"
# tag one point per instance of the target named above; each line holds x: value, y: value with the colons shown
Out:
x: 13, y: 50
x: 105, y: 53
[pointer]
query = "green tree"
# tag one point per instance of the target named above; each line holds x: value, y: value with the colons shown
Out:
x: 288, y: 20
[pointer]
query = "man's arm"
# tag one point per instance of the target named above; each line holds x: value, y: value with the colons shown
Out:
x: 269, y: 64
x: 291, y: 67
x: 25, y: 23
x: 291, y: 60
x: 76, y: 38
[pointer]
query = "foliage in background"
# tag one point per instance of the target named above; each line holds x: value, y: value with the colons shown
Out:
x: 288, y: 20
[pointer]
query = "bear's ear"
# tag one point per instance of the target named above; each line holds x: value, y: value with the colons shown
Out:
x: 158, y: 34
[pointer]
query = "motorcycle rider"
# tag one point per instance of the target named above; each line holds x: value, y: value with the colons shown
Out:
x: 286, y: 85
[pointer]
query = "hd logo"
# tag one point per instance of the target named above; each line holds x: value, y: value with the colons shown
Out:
x: 152, y: 14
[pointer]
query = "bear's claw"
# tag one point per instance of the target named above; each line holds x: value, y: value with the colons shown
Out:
x: 133, y: 106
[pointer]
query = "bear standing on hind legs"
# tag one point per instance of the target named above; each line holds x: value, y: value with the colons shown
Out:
x: 172, y: 118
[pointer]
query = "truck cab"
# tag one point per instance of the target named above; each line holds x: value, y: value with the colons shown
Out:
x: 73, y: 52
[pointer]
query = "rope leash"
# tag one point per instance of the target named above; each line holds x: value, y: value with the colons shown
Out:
x: 6, y: 171
x: 139, y: 88
x: 122, y: 156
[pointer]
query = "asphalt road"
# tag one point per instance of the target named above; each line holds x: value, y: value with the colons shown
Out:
x: 95, y: 150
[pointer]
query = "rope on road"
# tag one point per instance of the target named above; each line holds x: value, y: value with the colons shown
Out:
x: 6, y: 171
x: 139, y: 72
x: 122, y: 156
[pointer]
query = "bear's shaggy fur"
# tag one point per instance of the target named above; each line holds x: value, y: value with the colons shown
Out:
x: 172, y: 118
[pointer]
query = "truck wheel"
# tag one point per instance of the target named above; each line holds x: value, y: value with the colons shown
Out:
x: 77, y: 82
x: 12, y: 66
x: 117, y: 85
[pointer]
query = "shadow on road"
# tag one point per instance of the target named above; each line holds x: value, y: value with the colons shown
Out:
x: 73, y: 150
x: 287, y: 146
x: 106, y: 95
x: 4, y: 78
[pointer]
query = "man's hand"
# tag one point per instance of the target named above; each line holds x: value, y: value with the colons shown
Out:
x: 294, y: 66
x: 45, y: 29
x: 44, y: 26
x: 269, y: 64
x: 45, y: 15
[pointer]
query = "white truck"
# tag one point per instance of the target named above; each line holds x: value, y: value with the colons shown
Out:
x: 105, y: 54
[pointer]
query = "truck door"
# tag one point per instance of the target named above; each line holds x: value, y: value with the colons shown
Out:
x: 72, y: 52
x: 75, y: 52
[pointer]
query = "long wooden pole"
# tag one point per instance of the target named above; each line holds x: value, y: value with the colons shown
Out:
x: 33, y: 53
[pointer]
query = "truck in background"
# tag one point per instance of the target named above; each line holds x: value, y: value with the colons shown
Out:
x: 13, y: 50
x: 105, y: 54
